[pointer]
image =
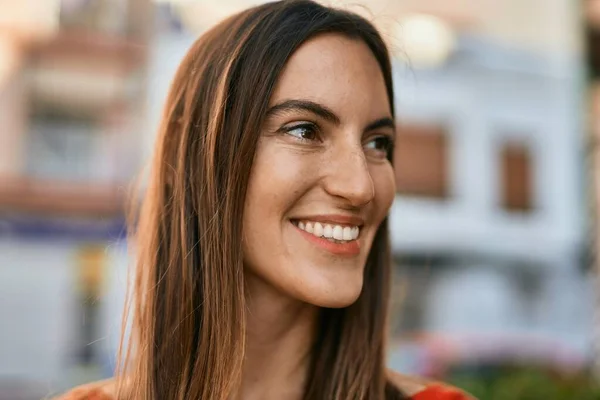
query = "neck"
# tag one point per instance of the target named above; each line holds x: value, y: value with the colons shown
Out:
x: 279, y: 336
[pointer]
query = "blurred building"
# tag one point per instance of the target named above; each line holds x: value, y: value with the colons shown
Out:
x: 72, y: 91
x: 592, y: 30
x: 488, y: 226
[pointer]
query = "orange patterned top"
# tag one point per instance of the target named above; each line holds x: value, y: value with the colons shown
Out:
x: 433, y: 392
x: 440, y: 392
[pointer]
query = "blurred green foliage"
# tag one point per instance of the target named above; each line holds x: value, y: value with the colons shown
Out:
x: 525, y: 383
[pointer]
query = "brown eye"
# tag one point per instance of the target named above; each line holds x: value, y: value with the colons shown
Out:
x: 304, y: 131
x: 380, y: 144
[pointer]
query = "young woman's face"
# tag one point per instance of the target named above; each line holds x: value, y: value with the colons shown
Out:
x: 321, y: 183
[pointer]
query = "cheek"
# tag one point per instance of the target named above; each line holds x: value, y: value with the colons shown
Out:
x: 279, y: 177
x: 276, y: 181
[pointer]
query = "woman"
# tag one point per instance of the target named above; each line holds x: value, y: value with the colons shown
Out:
x: 264, y: 261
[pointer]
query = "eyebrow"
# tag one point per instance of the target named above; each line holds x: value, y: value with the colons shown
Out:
x: 386, y: 122
x: 305, y: 105
x: 324, y: 112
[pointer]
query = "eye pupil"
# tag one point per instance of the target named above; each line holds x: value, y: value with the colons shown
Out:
x: 305, y: 132
x: 381, y: 143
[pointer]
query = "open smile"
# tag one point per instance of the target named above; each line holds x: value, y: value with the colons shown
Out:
x: 335, y: 238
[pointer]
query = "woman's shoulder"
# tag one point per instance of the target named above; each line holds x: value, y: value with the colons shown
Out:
x: 101, y: 390
x: 422, y: 389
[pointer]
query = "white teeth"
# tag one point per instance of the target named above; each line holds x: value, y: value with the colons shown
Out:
x: 347, y: 234
x: 338, y: 232
x: 309, y: 227
x: 318, y: 231
x: 334, y: 232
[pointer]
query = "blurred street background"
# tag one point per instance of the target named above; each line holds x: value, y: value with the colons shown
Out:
x: 494, y: 227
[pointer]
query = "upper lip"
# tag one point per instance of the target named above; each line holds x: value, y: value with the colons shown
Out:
x: 340, y: 219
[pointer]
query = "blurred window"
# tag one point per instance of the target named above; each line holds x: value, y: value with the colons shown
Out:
x: 61, y: 148
x: 593, y: 54
x: 421, y: 161
x: 516, y: 177
x: 106, y: 16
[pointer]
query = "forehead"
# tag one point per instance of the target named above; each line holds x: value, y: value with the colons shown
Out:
x: 338, y: 72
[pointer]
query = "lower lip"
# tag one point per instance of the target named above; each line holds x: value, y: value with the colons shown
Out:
x: 351, y: 248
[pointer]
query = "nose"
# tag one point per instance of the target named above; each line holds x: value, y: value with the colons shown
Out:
x: 348, y: 176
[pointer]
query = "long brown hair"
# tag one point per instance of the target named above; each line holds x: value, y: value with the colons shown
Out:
x: 188, y: 323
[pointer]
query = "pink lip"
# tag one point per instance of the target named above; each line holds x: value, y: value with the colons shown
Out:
x: 338, y: 219
x: 348, y: 249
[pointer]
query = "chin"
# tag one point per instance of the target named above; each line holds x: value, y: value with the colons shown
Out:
x: 339, y: 302
x: 334, y: 296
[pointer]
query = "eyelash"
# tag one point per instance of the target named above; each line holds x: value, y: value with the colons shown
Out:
x: 386, y: 141
x: 313, y: 130
x: 307, y: 127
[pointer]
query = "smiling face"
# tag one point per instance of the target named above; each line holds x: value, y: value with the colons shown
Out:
x: 321, y: 183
